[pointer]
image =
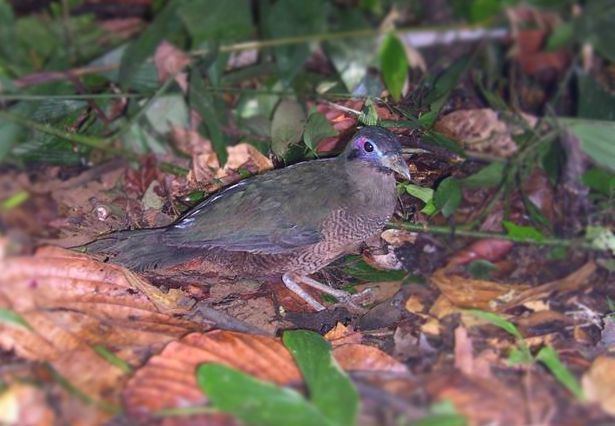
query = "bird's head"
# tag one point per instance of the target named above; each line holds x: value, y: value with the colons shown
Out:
x: 379, y: 148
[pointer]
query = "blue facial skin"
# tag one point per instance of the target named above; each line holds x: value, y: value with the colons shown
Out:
x: 380, y: 149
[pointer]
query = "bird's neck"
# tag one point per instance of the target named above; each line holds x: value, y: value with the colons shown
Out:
x: 368, y: 177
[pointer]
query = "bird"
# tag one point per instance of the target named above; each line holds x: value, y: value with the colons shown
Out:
x: 291, y: 221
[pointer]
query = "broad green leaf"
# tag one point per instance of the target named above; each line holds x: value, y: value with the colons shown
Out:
x: 594, y: 100
x: 254, y: 401
x: 601, y: 238
x: 166, y: 23
x: 595, y: 26
x: 481, y: 268
x: 599, y: 180
x: 440, y: 88
x: 330, y: 388
x: 316, y: 129
x: 393, y: 65
x: 561, y: 36
x: 294, y: 18
x: 498, y: 321
x: 357, y: 268
x: 369, y: 113
x: 522, y: 232
x: 550, y: 359
x: 13, y: 319
x: 204, y: 103
x: 351, y: 57
x: 423, y: 194
x: 448, y: 196
x: 487, y: 177
x: 286, y: 126
x: 213, y: 20
x: 596, y: 139
x: 520, y: 355
x: 167, y: 112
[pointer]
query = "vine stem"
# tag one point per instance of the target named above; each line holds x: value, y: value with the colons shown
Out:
x: 445, y: 230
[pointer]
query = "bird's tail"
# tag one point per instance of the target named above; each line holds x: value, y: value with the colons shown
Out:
x: 138, y: 250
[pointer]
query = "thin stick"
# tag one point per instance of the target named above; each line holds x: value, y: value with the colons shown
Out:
x: 445, y: 230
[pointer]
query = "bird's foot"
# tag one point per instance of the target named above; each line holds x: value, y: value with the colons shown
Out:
x: 344, y: 298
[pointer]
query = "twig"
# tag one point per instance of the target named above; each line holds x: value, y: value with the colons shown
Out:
x: 445, y: 230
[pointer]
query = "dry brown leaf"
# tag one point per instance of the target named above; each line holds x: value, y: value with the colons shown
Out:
x: 414, y: 305
x: 341, y: 335
x: 169, y: 61
x: 22, y: 404
x: 168, y: 379
x: 575, y: 281
x: 599, y: 383
x: 491, y: 249
x: 481, y: 401
x: 479, y: 130
x: 246, y: 156
x: 366, y: 358
x: 72, y: 303
x: 472, y: 293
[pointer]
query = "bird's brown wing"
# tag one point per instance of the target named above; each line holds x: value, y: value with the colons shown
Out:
x: 273, y: 213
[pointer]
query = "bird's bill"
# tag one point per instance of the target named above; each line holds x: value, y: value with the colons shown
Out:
x: 396, y: 163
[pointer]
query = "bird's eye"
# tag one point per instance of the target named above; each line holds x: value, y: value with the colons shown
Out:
x: 368, y: 147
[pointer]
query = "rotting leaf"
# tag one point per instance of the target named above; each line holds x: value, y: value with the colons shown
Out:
x: 599, y: 383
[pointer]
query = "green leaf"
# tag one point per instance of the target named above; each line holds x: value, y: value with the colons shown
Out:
x: 112, y: 358
x: 498, y: 321
x: 11, y: 318
x: 369, y: 113
x: 213, y: 20
x: 595, y: 26
x: 448, y: 196
x: 316, y: 129
x: 599, y: 180
x: 393, y: 65
x: 442, y: 413
x: 487, y: 177
x: 423, y: 194
x: 561, y: 36
x: 254, y: 401
x: 204, y: 103
x: 166, y: 22
x: 594, y: 100
x: 601, y: 238
x: 15, y: 200
x: 481, y: 268
x: 549, y: 357
x: 596, y: 139
x: 521, y: 232
x: 520, y: 355
x: 357, y: 268
x: 294, y: 18
x: 329, y: 386
x: 286, y: 126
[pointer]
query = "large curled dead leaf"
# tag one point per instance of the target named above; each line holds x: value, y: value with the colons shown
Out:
x: 488, y: 295
x: 88, y: 320
x: 168, y: 379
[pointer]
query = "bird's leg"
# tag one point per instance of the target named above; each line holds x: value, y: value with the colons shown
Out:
x: 290, y: 281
